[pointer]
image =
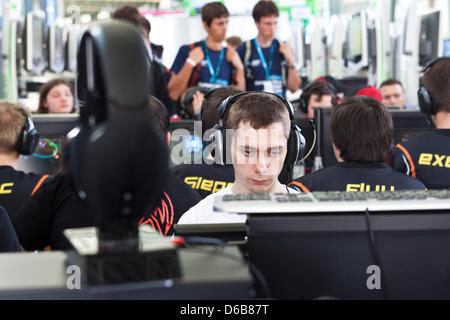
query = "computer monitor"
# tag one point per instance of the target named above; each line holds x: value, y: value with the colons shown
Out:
x: 429, y: 37
x: 186, y: 145
x: 73, y: 36
x: 324, y: 141
x: 446, y: 48
x: 408, y: 123
x: 35, y: 53
x: 56, y: 57
x: 49, y: 156
x: 349, y: 256
x: 355, y: 38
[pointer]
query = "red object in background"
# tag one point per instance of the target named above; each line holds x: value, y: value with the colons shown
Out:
x: 175, y: 117
x: 372, y: 92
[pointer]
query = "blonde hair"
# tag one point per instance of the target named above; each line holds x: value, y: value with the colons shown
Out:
x: 12, y: 122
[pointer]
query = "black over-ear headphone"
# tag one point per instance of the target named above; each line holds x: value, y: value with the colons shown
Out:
x: 303, y: 103
x: 28, y: 137
x: 296, y: 142
x: 118, y: 162
x: 426, y: 102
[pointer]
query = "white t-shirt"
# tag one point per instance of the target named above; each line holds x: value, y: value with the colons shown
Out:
x: 203, y: 212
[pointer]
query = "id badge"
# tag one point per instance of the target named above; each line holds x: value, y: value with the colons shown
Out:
x: 274, y: 85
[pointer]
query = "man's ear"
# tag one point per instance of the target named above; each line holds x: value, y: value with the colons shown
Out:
x: 205, y: 26
x: 337, y: 153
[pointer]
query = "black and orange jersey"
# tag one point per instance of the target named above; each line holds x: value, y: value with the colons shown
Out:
x: 177, y: 198
x: 357, y: 177
x: 8, y: 237
x: 56, y: 207
x: 204, y: 178
x: 426, y: 157
x: 16, y: 187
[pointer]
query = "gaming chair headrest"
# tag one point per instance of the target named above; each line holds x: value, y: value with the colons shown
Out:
x: 119, y: 163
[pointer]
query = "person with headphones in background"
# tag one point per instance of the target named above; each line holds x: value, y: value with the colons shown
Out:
x: 361, y: 130
x: 317, y: 94
x: 260, y: 146
x: 427, y: 156
x: 209, y: 178
x: 269, y: 65
x: 207, y: 63
x: 18, y: 136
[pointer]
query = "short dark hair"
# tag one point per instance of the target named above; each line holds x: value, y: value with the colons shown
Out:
x: 45, y: 89
x: 390, y: 82
x: 213, y: 10
x: 362, y: 129
x: 437, y: 81
x: 128, y: 13
x: 234, y: 41
x: 144, y: 23
x: 318, y: 88
x: 264, y: 9
x: 211, y: 104
x: 160, y: 115
x: 260, y: 109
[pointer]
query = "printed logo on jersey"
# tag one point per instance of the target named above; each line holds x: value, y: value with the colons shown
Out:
x: 198, y: 183
x: 6, y: 188
x: 362, y: 187
x: 434, y: 160
x: 161, y: 219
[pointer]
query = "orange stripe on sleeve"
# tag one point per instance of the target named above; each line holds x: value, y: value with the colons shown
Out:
x: 41, y: 180
x: 301, y: 186
x: 408, y: 157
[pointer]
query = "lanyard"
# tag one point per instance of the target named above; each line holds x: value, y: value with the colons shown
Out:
x: 263, y: 59
x: 214, y: 74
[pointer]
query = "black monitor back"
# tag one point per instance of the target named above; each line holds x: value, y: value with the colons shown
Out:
x: 186, y: 149
x: 49, y: 156
x: 328, y: 255
x: 408, y: 123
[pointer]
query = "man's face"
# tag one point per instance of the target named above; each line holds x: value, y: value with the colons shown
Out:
x: 393, y: 96
x: 316, y: 102
x: 258, y: 157
x: 218, y: 28
x: 267, y: 26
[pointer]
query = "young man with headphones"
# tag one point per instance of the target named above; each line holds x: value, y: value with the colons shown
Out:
x: 203, y: 177
x: 260, y: 145
x: 361, y: 129
x: 427, y: 156
x: 317, y: 94
x: 18, y: 136
x: 269, y: 65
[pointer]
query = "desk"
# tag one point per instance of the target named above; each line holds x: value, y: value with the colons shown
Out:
x: 207, y: 273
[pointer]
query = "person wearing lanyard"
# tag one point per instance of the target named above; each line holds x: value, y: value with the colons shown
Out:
x: 207, y: 63
x: 263, y: 56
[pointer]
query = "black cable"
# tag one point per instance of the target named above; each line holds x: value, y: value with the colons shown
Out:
x: 220, y: 244
x: 376, y: 255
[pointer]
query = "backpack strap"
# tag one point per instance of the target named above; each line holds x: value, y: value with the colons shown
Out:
x: 196, y: 72
x: 247, y: 56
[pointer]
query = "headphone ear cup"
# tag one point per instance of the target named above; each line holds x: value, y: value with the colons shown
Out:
x: 426, y: 101
x: 303, y: 105
x: 28, y: 137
